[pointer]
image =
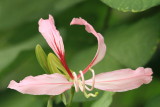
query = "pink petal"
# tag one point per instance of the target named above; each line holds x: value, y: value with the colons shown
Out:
x: 101, y: 45
x: 53, y: 84
x: 122, y: 80
x: 48, y: 29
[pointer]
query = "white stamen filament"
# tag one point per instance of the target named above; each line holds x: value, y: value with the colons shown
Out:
x: 78, y: 83
x: 93, y: 81
x: 75, y: 81
x: 82, y: 82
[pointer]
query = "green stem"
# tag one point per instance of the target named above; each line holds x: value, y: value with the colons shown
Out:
x: 49, y: 104
x: 71, y: 97
x: 80, y: 104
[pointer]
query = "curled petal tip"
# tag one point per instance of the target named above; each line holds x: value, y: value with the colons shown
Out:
x: 148, y: 71
x: 48, y: 30
x: 101, y: 45
x: 40, y: 20
x: 77, y: 21
x: 51, y: 18
x: 12, y: 84
x: 73, y: 21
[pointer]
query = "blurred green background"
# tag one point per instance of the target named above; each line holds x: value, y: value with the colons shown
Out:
x: 131, y: 30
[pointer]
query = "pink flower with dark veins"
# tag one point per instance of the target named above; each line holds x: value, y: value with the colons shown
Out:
x: 55, y: 84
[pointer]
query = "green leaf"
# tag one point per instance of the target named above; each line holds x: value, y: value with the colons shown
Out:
x: 105, y: 100
x: 15, y: 99
x: 24, y: 65
x: 22, y: 11
x: 42, y: 58
x: 8, y: 54
x: 153, y: 102
x: 133, y: 45
x: 135, y: 97
x: 131, y: 5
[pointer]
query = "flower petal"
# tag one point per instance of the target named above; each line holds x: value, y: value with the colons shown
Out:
x: 101, y: 45
x: 122, y: 80
x: 53, y: 84
x: 48, y: 29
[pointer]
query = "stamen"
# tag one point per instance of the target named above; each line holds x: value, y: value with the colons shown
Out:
x: 81, y: 83
x: 93, y: 81
x: 75, y: 81
x: 78, y: 83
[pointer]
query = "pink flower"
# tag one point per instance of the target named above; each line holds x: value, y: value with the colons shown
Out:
x: 55, y: 84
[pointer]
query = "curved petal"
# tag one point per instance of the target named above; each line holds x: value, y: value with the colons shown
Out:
x: 48, y: 29
x: 53, y: 84
x: 101, y: 45
x: 122, y: 80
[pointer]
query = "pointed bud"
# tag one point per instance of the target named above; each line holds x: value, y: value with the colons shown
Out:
x: 42, y: 58
x: 55, y: 65
x: 52, y: 63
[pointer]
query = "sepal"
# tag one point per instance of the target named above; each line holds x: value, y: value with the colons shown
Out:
x: 42, y: 58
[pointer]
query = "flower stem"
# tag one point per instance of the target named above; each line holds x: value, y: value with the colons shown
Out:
x: 49, y: 104
x: 67, y: 97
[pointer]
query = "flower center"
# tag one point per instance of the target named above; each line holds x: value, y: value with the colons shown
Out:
x: 80, y: 84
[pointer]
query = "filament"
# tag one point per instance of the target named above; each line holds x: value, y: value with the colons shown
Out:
x: 75, y: 81
x: 80, y: 83
x: 93, y: 81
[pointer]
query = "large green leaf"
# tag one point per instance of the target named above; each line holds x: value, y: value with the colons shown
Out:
x: 21, y: 11
x: 105, y: 100
x: 26, y: 64
x: 8, y: 54
x: 15, y: 99
x: 131, y: 5
x: 133, y: 45
x: 153, y: 102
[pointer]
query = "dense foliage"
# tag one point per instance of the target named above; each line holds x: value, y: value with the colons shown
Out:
x: 131, y: 29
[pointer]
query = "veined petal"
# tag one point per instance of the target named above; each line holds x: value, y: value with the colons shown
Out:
x: 53, y: 84
x: 122, y: 80
x: 48, y: 29
x: 101, y: 45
